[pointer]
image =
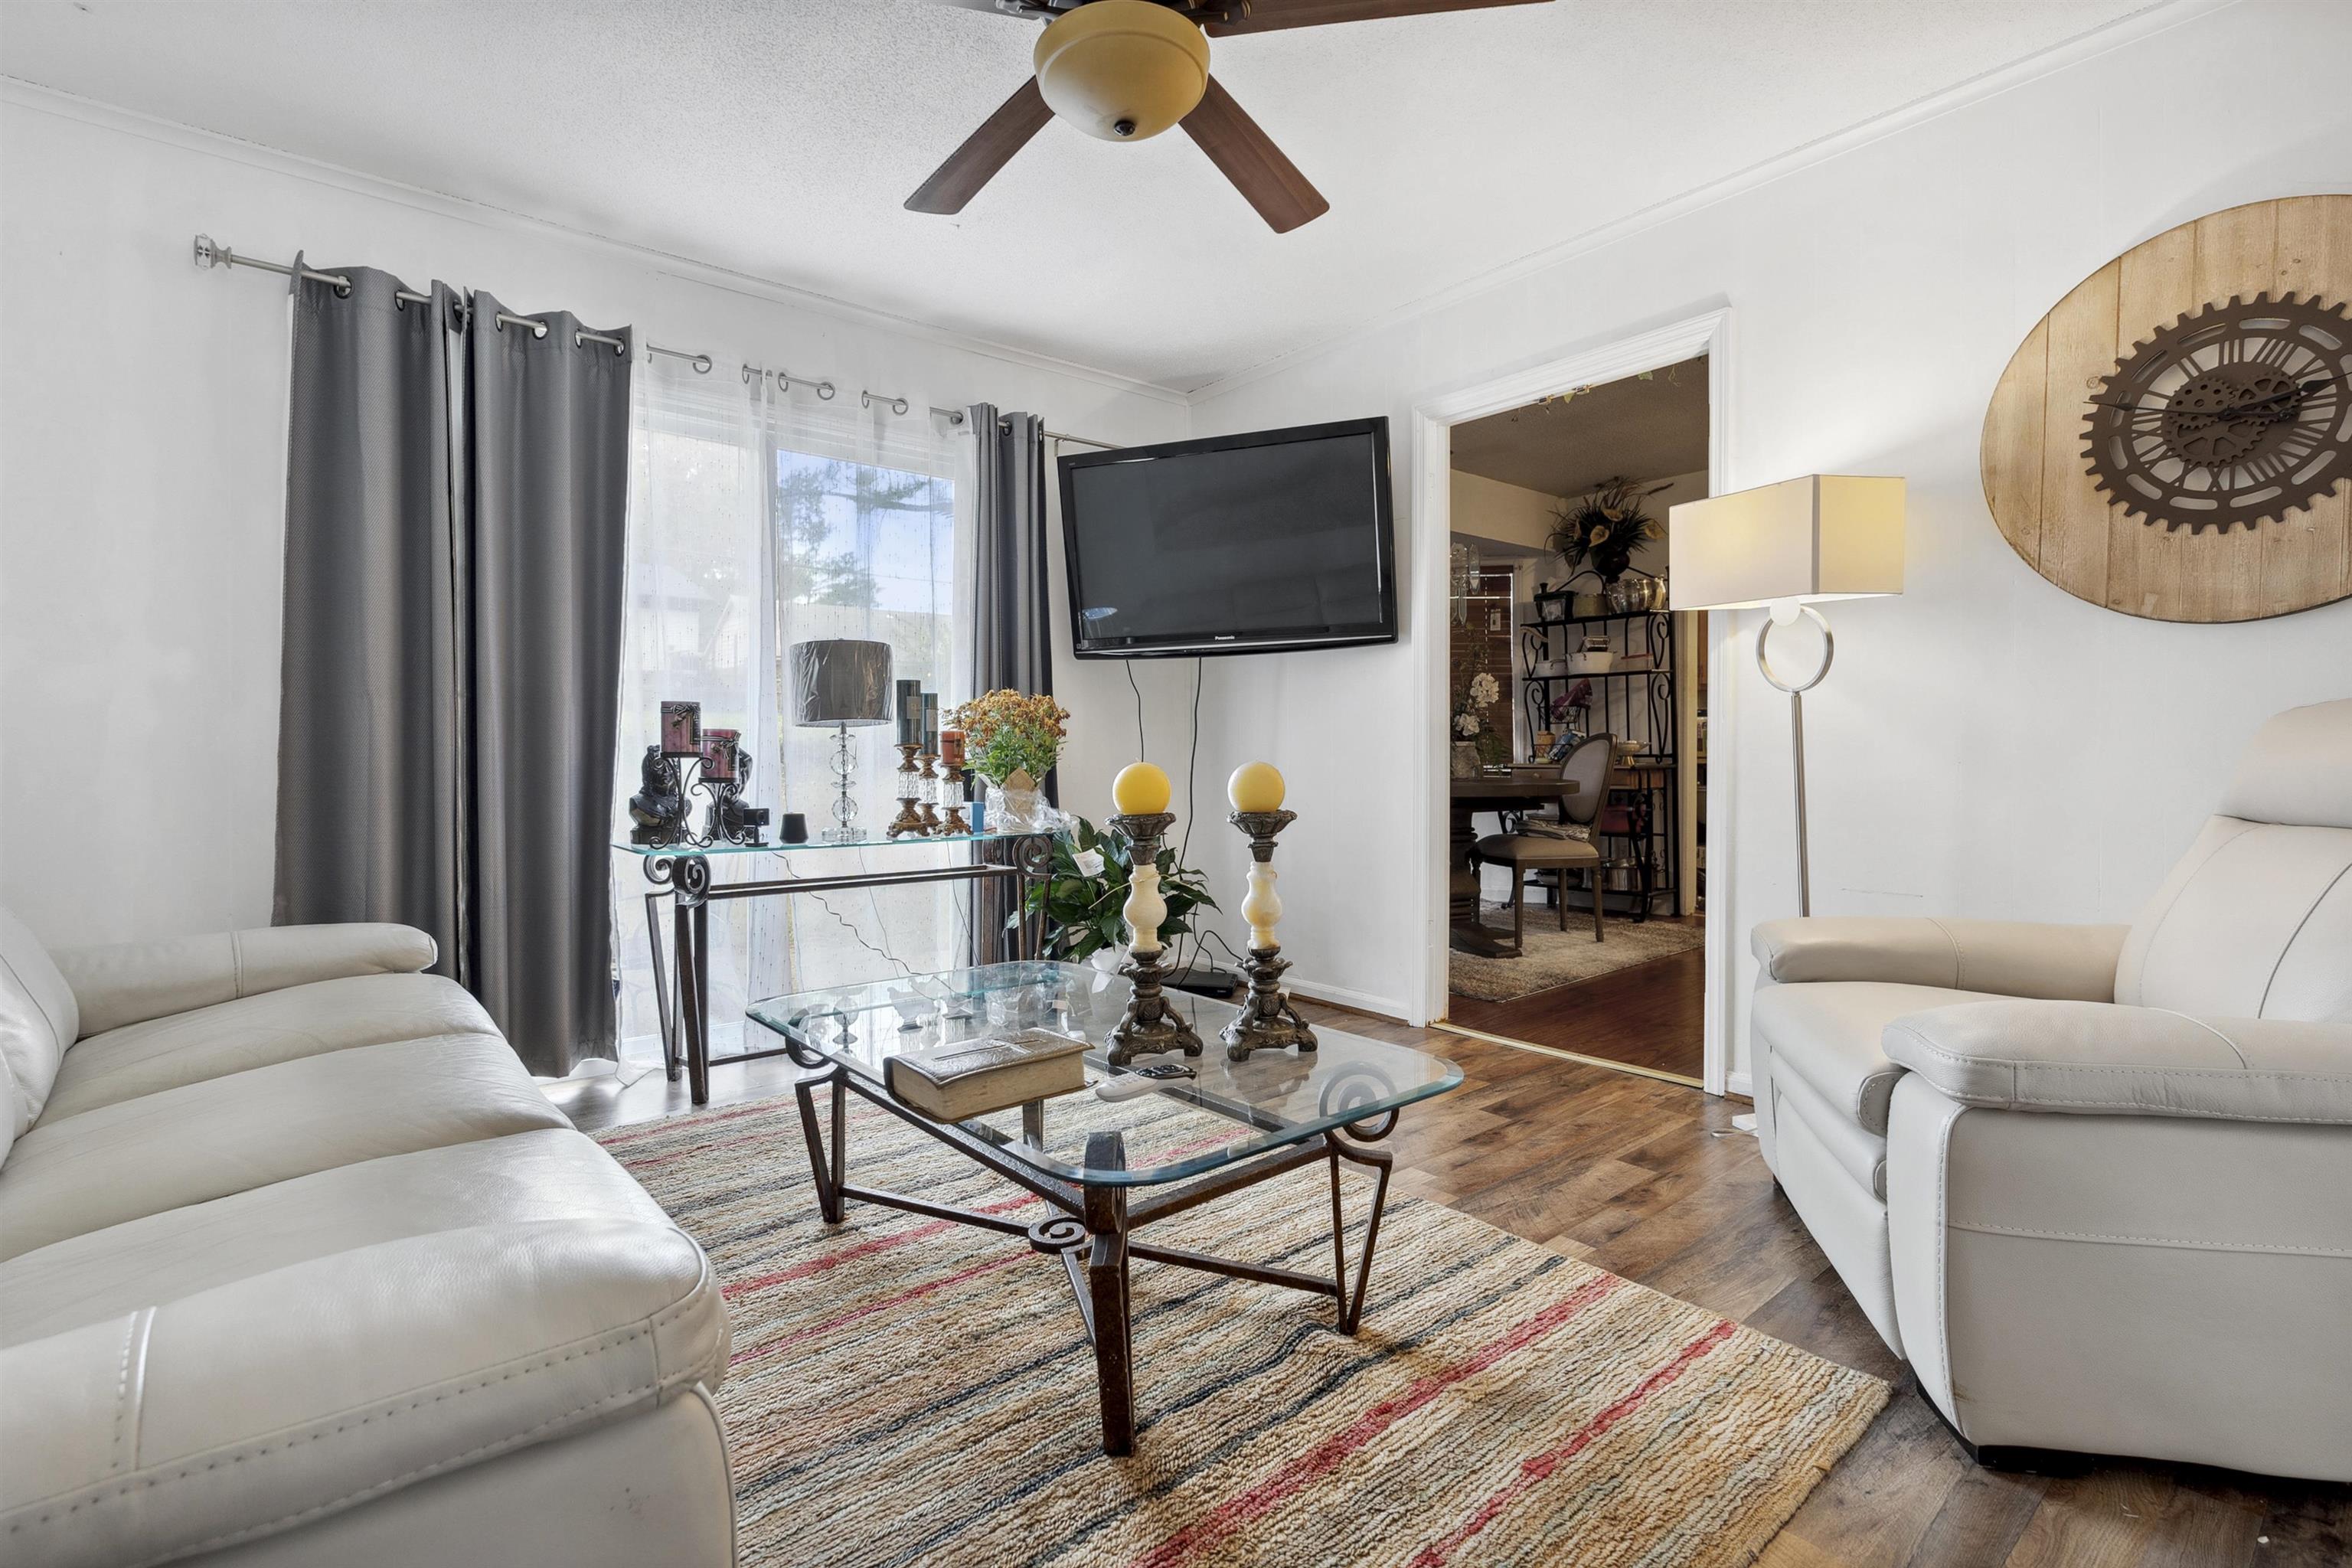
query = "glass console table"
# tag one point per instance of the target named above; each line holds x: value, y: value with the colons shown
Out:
x: 1107, y: 1169
x: 682, y: 873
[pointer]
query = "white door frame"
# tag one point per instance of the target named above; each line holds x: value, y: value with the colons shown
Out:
x: 1432, y: 507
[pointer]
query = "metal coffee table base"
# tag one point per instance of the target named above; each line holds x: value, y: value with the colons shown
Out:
x: 1094, y: 1231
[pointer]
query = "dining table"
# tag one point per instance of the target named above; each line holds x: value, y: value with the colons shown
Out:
x: 1522, y: 788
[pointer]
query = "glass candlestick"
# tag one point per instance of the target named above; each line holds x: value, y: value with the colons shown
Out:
x: 928, y: 802
x: 909, y: 819
x: 951, y: 798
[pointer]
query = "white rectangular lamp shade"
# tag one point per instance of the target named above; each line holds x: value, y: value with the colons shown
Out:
x: 1824, y: 536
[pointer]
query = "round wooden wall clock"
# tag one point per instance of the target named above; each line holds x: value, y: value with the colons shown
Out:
x: 2174, y: 439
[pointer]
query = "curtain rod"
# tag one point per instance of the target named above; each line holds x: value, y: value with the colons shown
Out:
x: 209, y: 254
x: 955, y: 416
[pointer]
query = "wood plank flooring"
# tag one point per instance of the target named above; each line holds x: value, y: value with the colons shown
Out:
x: 1650, y: 1015
x: 1648, y: 1179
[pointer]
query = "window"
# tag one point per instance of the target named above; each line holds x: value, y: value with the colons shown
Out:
x: 758, y: 518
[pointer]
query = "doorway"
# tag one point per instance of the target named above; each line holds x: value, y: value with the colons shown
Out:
x: 1571, y: 709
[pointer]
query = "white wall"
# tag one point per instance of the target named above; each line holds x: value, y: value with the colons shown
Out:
x: 1509, y: 514
x: 1987, y: 743
x: 141, y: 467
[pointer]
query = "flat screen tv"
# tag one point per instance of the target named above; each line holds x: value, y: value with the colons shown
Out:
x: 1277, y: 539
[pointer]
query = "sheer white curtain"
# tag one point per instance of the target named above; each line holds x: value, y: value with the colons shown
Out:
x: 761, y: 516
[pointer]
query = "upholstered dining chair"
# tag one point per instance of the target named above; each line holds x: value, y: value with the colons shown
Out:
x: 1587, y: 766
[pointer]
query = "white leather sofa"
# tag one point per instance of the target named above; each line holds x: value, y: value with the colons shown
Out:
x: 296, y: 1266
x: 2094, y: 1182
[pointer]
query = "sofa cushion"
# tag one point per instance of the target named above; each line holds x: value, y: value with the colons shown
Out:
x: 2254, y: 922
x: 1829, y: 1033
x: 257, y: 1031
x: 521, y: 1179
x: 38, y: 1020
x: 284, y: 1397
x: 225, y: 1135
x: 1861, y: 1154
x: 7, y: 1111
x: 2076, y: 1058
x: 131, y: 982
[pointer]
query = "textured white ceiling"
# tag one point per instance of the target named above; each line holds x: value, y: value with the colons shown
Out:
x: 779, y: 139
x: 1650, y: 426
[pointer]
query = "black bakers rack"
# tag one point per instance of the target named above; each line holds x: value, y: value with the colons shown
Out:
x: 1633, y: 700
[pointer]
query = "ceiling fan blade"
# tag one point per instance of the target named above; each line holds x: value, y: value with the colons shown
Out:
x: 1249, y: 159
x: 983, y: 152
x: 1268, y: 16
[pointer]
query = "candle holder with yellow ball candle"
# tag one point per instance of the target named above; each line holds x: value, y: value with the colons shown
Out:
x: 1148, y: 1025
x: 909, y: 819
x: 1269, y: 1021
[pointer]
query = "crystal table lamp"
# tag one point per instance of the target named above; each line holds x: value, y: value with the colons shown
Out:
x: 1784, y: 547
x: 842, y: 681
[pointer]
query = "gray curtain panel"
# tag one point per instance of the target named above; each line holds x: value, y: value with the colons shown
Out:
x: 1011, y: 643
x: 1011, y: 639
x: 370, y: 733
x: 548, y: 473
x: 456, y: 509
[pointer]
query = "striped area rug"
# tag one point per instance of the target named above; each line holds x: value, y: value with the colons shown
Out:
x: 904, y: 1391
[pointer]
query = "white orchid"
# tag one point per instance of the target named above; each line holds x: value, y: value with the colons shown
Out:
x: 1089, y: 862
x: 1482, y: 689
x: 1465, y: 724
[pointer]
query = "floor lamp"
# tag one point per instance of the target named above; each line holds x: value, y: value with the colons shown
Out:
x: 1783, y: 547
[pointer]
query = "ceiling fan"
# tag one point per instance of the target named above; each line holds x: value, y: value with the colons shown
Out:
x: 1127, y: 69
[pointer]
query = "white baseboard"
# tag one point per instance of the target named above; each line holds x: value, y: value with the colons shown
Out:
x: 1363, y: 1001
x: 1741, y: 1084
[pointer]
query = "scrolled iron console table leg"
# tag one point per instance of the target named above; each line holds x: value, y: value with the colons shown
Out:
x: 688, y: 877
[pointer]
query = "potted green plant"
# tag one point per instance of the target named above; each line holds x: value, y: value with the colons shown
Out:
x: 1082, y: 897
x: 1601, y: 529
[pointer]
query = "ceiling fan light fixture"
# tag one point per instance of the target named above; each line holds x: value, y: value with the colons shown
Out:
x: 1122, y: 69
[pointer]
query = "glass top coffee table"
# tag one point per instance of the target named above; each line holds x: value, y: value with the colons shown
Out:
x: 1107, y: 1168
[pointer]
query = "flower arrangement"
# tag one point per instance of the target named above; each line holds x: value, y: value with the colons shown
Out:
x: 1602, y: 529
x: 1470, y: 705
x: 1007, y: 733
x: 1082, y: 898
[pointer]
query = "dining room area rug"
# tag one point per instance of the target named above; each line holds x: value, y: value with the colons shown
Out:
x: 1556, y: 957
x: 908, y: 1391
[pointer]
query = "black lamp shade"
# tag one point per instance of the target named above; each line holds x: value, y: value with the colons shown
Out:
x: 841, y: 680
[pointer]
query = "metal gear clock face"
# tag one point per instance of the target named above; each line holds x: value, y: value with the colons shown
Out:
x: 2237, y: 414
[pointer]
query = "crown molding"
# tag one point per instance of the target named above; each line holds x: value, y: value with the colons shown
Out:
x: 2158, y: 18
x: 17, y: 91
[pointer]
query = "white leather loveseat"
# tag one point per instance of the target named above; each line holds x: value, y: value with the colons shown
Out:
x: 296, y: 1266
x: 2094, y: 1182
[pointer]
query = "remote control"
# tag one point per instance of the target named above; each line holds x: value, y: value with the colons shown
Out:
x: 1141, y: 1080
